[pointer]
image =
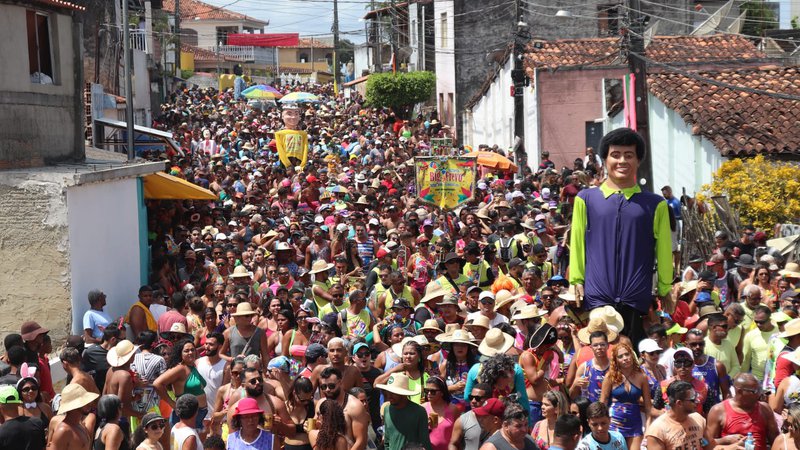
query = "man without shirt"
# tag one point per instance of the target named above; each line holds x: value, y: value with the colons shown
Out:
x: 350, y: 376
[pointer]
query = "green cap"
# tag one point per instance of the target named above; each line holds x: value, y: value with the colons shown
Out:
x: 676, y: 329
x: 9, y: 395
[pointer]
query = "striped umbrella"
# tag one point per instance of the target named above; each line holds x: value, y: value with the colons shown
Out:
x: 262, y: 91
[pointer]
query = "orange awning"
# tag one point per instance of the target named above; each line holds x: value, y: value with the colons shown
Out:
x: 161, y: 186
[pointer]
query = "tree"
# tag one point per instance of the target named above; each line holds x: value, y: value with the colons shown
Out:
x: 400, y: 91
x: 763, y: 191
x: 759, y: 18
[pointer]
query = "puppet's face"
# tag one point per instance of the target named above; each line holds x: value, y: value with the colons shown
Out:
x: 291, y: 117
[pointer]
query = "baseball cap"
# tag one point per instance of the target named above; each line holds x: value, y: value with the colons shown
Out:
x: 358, y: 347
x: 515, y: 262
x: 315, y: 351
x: 492, y: 407
x: 486, y: 294
x: 400, y: 303
x: 9, y: 395
x: 703, y: 297
x: 649, y: 346
x: 312, y: 179
x: 374, y: 221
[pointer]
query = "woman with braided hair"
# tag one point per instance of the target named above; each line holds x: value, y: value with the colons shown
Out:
x: 330, y: 423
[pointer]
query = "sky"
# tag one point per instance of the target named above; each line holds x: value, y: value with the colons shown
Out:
x: 307, y: 17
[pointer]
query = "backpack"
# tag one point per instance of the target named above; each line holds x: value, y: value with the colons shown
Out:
x: 505, y: 248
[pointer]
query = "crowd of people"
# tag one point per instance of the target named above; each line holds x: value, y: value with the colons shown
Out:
x: 324, y: 307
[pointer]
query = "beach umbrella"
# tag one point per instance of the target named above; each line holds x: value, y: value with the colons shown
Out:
x: 299, y: 97
x: 493, y: 160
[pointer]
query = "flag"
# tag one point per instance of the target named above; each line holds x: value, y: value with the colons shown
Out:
x: 629, y: 110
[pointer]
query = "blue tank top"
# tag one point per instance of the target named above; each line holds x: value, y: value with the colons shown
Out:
x: 596, y: 377
x: 619, y: 394
x: 707, y: 373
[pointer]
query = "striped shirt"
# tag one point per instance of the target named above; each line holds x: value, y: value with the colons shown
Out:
x: 366, y: 250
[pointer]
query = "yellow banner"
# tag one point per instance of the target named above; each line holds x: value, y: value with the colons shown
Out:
x: 445, y: 182
x: 292, y: 144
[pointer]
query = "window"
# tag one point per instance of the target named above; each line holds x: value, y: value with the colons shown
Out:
x: 443, y: 30
x: 304, y: 58
x: 40, y: 57
x: 608, y: 20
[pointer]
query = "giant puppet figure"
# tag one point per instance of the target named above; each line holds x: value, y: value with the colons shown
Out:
x: 619, y: 233
x: 292, y: 143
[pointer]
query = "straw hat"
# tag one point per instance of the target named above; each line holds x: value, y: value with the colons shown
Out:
x: 792, y: 328
x: 610, y: 316
x: 398, y: 348
x: 495, y: 343
x: 74, y: 396
x: 793, y: 357
x: 568, y: 296
x: 397, y: 384
x: 688, y: 287
x: 431, y: 325
x: 244, y: 309
x: 121, y: 353
x: 458, y: 337
x: 792, y: 270
x: 502, y: 298
x: 241, y: 272
x: 450, y: 328
x: 529, y: 312
x: 433, y: 290
x: 362, y: 200
x: 480, y: 321
x: 176, y: 328
x: 320, y: 266
x: 597, y: 324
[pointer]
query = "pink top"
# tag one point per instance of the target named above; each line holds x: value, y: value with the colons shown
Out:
x: 440, y: 436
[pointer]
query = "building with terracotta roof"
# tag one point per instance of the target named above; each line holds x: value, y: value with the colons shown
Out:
x: 575, y: 91
x: 207, y: 27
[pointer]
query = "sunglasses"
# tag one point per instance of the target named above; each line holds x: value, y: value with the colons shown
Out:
x: 27, y: 389
x: 761, y: 322
x: 548, y: 297
x: 157, y: 426
x: 748, y: 390
x: 431, y: 391
x: 476, y: 398
x: 487, y: 302
x: 683, y: 363
x: 696, y: 345
x: 362, y: 354
x: 327, y: 387
x: 255, y: 381
x: 691, y: 399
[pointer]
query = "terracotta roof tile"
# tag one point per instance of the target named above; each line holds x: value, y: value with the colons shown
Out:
x: 666, y: 49
x: 738, y: 123
x: 191, y: 9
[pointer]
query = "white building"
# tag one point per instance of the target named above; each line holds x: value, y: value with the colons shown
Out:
x: 444, y: 30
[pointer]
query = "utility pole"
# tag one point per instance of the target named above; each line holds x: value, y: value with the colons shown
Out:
x: 638, y: 67
x: 518, y: 77
x: 126, y: 50
x: 335, y: 46
x: 177, y: 36
x: 393, y: 35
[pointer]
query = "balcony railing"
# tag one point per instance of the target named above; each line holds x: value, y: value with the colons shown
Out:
x: 246, y: 54
x: 139, y: 40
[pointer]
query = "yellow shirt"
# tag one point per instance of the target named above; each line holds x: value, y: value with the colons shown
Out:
x: 152, y: 325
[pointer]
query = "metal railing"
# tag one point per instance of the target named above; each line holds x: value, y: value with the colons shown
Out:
x: 246, y: 54
x: 139, y: 39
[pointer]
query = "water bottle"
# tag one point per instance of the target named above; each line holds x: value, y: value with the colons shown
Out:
x: 749, y: 443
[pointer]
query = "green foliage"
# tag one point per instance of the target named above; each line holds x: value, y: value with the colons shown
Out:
x: 795, y: 23
x: 758, y: 19
x: 400, y: 91
x: 186, y: 74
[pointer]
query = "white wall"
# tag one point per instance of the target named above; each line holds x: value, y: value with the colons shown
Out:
x: 445, y: 58
x: 680, y: 159
x: 104, y: 245
x: 492, y: 118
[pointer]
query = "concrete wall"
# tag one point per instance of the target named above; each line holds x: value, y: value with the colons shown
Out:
x: 34, y: 254
x: 47, y: 119
x: 445, y: 61
x: 104, y: 242
x: 567, y: 100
